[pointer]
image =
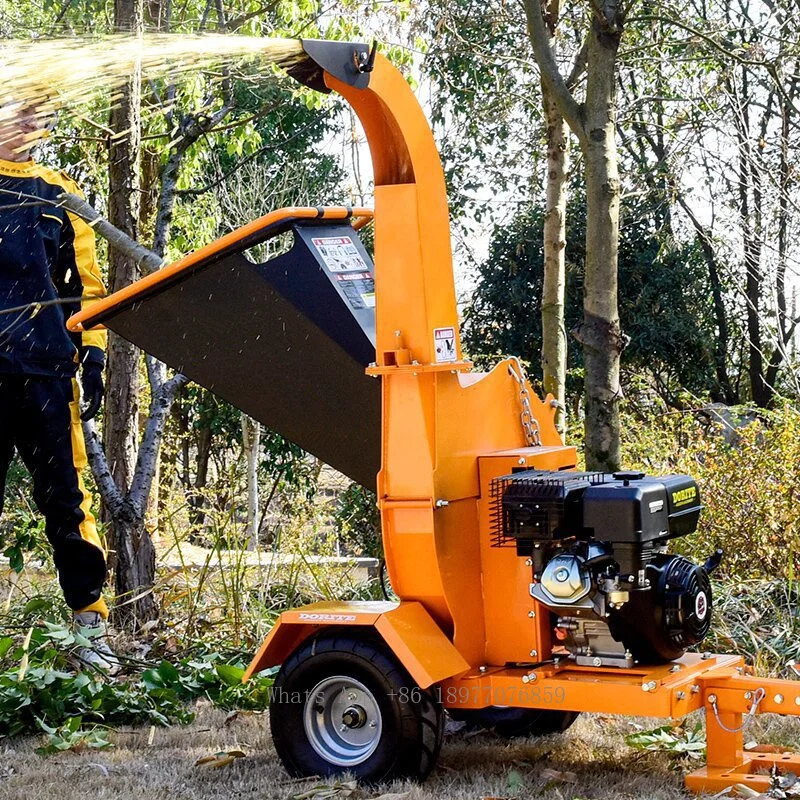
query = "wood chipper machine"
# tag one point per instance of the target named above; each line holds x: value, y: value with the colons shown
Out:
x: 529, y: 592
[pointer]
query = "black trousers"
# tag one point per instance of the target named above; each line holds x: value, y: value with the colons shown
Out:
x: 40, y: 417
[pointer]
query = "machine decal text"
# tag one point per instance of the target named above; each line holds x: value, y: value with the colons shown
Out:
x: 339, y: 253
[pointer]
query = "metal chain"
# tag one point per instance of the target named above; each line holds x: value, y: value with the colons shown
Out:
x: 757, y: 698
x: 530, y: 425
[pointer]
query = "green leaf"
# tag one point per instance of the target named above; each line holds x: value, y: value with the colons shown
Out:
x: 515, y: 785
x: 36, y: 604
x: 670, y: 738
x: 169, y: 674
x: 46, y: 728
x: 73, y: 724
x: 152, y: 679
x: 15, y: 558
x: 230, y: 674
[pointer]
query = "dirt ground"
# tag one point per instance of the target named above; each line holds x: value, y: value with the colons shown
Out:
x: 160, y: 765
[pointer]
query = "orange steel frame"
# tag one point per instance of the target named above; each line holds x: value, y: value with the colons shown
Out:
x: 466, y: 610
x: 447, y: 432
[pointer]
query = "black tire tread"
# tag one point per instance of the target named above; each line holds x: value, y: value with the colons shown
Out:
x: 421, y: 723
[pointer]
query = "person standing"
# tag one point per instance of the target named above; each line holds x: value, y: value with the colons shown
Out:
x: 48, y: 271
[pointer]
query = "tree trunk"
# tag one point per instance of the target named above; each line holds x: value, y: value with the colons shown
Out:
x: 196, y: 498
x: 135, y: 573
x: 153, y: 510
x: 749, y: 186
x: 554, y: 335
x: 600, y: 331
x: 725, y: 392
x: 786, y: 324
x: 251, y: 440
x: 666, y: 182
x: 120, y: 430
x: 128, y: 505
x: 593, y: 123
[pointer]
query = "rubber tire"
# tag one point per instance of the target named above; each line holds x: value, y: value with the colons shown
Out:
x: 413, y: 721
x: 513, y: 722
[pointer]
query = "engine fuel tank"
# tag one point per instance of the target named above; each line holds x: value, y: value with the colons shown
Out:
x: 632, y: 508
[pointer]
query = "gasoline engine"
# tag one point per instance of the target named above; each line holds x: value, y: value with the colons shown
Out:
x: 597, y: 547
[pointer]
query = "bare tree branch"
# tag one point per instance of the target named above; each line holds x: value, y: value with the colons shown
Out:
x: 156, y: 373
x: 193, y: 126
x: 269, y: 147
x: 578, y: 65
x: 151, y: 442
x: 144, y: 258
x: 59, y: 301
x: 109, y: 491
x: 237, y: 22
x: 550, y: 74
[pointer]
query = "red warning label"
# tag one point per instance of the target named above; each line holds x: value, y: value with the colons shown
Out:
x: 444, y: 341
x: 339, y: 253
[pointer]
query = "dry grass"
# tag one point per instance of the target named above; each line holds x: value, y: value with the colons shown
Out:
x: 483, y: 766
x: 468, y: 769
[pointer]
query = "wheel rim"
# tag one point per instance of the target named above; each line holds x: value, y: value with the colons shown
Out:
x: 342, y: 721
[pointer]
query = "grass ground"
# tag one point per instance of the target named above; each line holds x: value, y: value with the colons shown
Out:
x: 160, y: 765
x: 760, y: 622
x: 482, y: 766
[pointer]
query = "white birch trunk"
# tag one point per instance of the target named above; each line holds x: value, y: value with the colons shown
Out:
x: 251, y: 444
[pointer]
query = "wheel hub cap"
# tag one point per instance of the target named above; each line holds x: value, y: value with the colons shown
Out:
x: 354, y: 717
x: 342, y: 721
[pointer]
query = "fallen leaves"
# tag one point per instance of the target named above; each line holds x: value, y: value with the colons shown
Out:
x: 346, y: 789
x: 339, y: 789
x: 554, y: 776
x: 678, y: 739
x: 222, y: 758
x: 767, y: 748
x: 323, y: 791
x: 783, y: 786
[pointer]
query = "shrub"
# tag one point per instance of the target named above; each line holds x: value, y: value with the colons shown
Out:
x: 748, y: 471
x: 358, y: 520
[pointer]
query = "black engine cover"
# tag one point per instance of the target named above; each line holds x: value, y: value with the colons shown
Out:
x: 660, y: 623
x: 634, y: 513
x: 632, y: 508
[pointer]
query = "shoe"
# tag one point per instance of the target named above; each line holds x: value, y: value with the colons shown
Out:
x: 100, y: 656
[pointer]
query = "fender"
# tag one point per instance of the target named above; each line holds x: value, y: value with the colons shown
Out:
x: 407, y: 628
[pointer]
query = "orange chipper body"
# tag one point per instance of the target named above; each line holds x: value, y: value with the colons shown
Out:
x: 468, y: 630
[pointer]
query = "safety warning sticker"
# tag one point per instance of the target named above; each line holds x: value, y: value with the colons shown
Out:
x: 358, y: 288
x: 339, y: 253
x: 444, y: 340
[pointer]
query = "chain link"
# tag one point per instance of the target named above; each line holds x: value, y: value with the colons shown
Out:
x: 530, y: 425
x: 759, y: 695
